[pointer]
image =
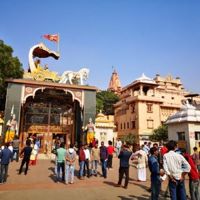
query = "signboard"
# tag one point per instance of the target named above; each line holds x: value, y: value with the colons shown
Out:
x: 182, y: 144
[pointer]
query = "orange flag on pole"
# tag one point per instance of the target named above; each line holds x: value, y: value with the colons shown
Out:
x: 53, y: 38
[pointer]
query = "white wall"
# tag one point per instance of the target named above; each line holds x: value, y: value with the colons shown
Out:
x: 193, y: 127
x: 189, y: 129
x: 107, y: 135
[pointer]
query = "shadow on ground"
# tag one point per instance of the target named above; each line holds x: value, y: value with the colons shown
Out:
x: 132, y: 197
x: 110, y: 183
x: 140, y: 184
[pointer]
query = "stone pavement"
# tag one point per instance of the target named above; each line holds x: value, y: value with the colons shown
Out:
x: 39, y: 184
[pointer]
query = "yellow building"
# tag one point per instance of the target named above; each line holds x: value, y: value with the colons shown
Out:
x: 147, y: 103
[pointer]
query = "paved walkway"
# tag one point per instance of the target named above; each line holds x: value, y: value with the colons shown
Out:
x: 39, y: 184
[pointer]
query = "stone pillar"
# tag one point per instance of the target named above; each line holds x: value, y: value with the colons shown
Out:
x: 141, y: 89
x: 154, y: 92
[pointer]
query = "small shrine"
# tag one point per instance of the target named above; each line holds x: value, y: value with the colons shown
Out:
x: 105, y: 128
x: 47, y: 105
x: 184, y: 126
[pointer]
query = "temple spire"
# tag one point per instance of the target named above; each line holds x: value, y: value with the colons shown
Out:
x: 115, y: 84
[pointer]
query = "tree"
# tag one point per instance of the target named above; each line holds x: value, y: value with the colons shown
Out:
x: 160, y: 134
x: 129, y: 139
x: 105, y: 101
x: 10, y: 67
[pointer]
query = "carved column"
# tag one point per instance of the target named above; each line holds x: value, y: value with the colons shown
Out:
x: 141, y: 89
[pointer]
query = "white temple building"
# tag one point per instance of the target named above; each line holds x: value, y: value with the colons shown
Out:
x: 184, y: 127
x: 104, y: 129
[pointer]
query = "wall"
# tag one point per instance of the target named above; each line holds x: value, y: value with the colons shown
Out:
x: 13, y: 98
x: 109, y: 135
x: 89, y: 106
x: 188, y: 128
x: 193, y: 127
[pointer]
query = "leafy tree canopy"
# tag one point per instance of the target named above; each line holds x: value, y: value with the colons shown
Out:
x: 10, y: 67
x: 160, y: 134
x: 129, y: 139
x: 105, y: 101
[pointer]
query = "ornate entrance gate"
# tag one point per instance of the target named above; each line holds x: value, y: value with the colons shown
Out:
x: 48, y: 115
x: 50, y: 110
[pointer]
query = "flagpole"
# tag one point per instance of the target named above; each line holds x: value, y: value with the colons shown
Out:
x: 58, y: 44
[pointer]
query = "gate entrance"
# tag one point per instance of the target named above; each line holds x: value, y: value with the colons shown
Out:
x: 49, y: 114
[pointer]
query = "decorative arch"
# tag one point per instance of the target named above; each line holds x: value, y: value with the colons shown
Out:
x: 29, y: 91
x: 76, y: 96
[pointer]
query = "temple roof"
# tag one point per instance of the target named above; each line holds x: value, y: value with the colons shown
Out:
x: 188, y: 113
x: 106, y: 121
x: 144, y: 79
x: 115, y: 84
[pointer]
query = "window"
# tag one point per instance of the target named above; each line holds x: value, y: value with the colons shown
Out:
x: 132, y: 108
x: 149, y: 107
x: 124, y: 125
x: 121, y: 126
x: 133, y: 124
x: 150, y: 123
x: 127, y: 124
x: 197, y: 135
x: 181, y: 135
x: 103, y: 136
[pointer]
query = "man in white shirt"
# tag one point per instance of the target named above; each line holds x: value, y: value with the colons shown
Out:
x: 118, y: 146
x: 176, y: 167
x: 87, y: 161
x: 146, y: 148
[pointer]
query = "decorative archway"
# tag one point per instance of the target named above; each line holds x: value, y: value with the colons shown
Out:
x: 48, y: 114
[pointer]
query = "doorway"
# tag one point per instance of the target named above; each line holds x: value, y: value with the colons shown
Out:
x: 48, y: 115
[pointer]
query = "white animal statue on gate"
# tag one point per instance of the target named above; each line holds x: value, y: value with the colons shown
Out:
x: 71, y: 77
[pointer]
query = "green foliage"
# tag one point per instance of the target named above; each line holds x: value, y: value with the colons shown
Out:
x: 105, y: 101
x: 10, y: 67
x: 129, y: 139
x: 160, y: 134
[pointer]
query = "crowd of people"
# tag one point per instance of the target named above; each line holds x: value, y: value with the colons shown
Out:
x: 169, y: 161
x: 10, y: 151
x: 164, y: 162
x: 88, y: 157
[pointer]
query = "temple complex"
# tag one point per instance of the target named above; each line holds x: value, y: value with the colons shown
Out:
x: 146, y: 103
x: 115, y: 84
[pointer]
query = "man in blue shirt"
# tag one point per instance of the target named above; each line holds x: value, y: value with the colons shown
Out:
x: 124, y: 156
x: 155, y: 173
x: 103, y: 158
x: 5, y: 156
x: 26, y: 153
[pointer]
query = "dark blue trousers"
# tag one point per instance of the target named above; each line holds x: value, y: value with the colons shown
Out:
x: 155, y: 189
x: 177, y: 190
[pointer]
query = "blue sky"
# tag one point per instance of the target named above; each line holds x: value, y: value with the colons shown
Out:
x: 135, y: 36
